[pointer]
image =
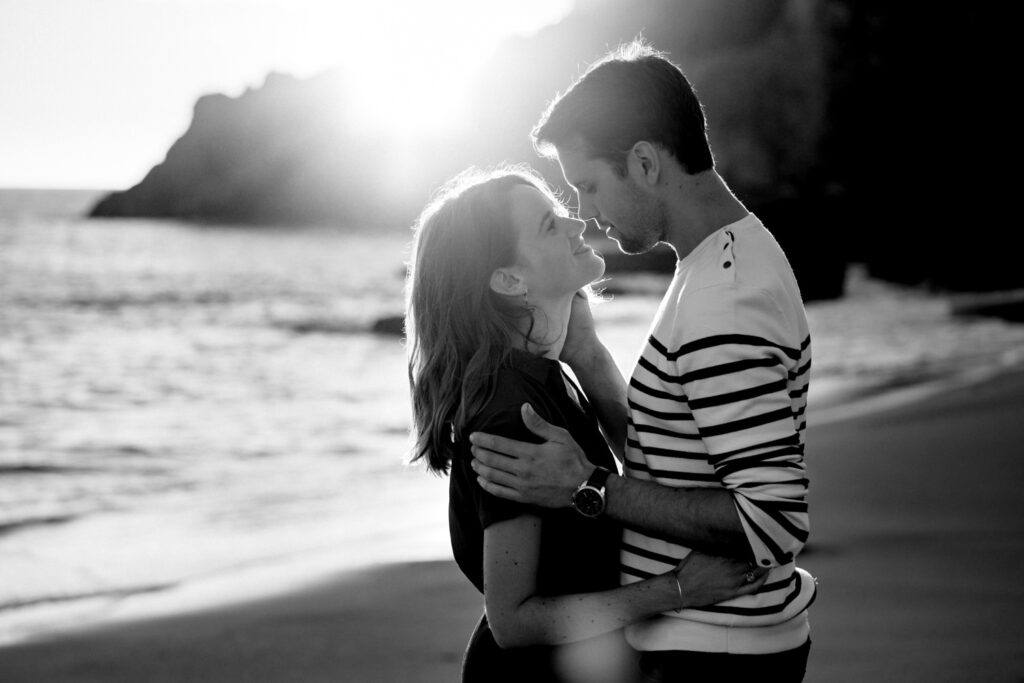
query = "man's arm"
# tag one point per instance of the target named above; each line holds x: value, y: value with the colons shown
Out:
x: 547, y: 474
x: 740, y: 401
x: 741, y: 405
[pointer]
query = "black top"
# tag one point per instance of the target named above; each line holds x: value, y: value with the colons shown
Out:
x: 577, y: 555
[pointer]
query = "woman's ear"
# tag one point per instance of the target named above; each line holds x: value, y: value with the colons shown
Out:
x: 644, y: 162
x: 506, y: 281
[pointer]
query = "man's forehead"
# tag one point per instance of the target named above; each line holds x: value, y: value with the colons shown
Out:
x: 576, y: 163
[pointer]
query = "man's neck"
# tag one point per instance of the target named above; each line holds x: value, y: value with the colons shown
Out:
x: 699, y: 205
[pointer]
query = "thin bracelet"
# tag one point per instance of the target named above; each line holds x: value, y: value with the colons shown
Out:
x: 680, y: 589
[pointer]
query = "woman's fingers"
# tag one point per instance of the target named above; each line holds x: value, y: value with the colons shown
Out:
x: 707, y: 579
x: 752, y: 580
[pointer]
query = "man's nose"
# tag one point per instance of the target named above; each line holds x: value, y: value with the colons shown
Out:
x: 587, y: 208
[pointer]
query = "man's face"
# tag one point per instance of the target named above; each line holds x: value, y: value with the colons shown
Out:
x: 629, y: 215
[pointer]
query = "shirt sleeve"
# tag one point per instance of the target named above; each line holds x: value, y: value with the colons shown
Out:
x: 735, y: 369
x: 507, y: 421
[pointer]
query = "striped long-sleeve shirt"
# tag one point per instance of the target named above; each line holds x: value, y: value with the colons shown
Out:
x: 718, y: 400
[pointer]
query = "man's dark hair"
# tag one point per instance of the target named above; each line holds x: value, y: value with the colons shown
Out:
x: 634, y: 93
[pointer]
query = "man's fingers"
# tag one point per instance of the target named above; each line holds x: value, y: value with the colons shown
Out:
x: 500, y: 444
x: 494, y: 460
x: 498, y: 490
x: 539, y: 426
x: 493, y: 475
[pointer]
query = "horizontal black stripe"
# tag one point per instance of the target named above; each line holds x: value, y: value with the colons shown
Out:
x: 778, y: 585
x: 777, y: 509
x: 660, y: 374
x: 737, y: 396
x: 773, y: 547
x: 661, y: 431
x: 791, y: 440
x: 634, y: 466
x: 799, y: 393
x: 747, y: 422
x: 650, y: 554
x: 802, y: 370
x: 758, y: 484
x: 783, y: 505
x: 667, y: 452
x: 657, y: 345
x: 633, y: 571
x: 728, y: 467
x: 805, y: 343
x: 661, y: 415
x: 650, y: 391
x: 730, y: 368
x: 794, y: 593
x: 780, y: 518
x: 759, y: 611
x: 721, y: 340
x: 794, y: 467
x: 772, y: 587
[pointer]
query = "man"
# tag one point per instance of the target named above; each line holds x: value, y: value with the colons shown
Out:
x: 711, y: 425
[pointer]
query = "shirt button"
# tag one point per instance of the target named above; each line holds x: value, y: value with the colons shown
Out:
x: 727, y: 264
x: 766, y: 562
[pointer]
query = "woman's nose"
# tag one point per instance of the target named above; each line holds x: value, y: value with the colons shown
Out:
x: 575, y: 226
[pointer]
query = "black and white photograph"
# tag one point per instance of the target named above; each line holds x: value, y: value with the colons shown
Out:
x: 547, y: 341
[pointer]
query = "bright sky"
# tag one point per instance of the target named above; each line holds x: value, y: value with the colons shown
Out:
x: 93, y: 92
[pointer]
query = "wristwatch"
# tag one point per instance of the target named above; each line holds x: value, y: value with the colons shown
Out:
x: 588, y: 498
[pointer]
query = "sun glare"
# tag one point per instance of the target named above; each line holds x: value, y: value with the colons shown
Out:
x: 110, y: 88
x: 407, y: 65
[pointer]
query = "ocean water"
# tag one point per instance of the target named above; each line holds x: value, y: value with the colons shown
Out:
x: 180, y: 402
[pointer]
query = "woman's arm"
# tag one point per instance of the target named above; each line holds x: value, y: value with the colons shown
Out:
x: 518, y: 617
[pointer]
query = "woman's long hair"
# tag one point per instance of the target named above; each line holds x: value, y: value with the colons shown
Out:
x: 459, y: 331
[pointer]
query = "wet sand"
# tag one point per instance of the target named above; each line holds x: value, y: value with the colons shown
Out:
x: 917, y: 541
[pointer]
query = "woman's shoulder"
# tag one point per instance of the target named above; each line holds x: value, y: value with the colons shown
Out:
x: 523, y: 379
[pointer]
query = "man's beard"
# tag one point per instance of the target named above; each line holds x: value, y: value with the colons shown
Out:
x: 647, y: 224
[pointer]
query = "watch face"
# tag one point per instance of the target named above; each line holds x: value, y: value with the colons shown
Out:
x: 589, y: 502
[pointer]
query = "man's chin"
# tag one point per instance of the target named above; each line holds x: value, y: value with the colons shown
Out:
x: 632, y: 248
x: 629, y: 246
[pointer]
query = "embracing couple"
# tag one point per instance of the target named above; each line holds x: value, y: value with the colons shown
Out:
x: 618, y: 532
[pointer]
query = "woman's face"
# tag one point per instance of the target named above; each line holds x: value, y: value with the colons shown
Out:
x: 554, y: 261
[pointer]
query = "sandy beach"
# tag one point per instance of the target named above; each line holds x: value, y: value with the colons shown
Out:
x: 917, y: 538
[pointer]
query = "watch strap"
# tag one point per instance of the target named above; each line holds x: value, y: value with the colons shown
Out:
x: 598, y: 478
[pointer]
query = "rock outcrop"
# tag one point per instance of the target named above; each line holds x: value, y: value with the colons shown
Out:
x: 810, y: 105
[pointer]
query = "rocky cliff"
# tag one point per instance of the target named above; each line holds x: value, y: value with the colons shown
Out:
x: 815, y: 108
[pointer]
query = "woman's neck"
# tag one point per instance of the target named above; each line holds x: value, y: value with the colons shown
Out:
x: 550, y: 322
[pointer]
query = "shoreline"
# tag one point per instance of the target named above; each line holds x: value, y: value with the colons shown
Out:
x: 903, y: 566
x: 832, y: 400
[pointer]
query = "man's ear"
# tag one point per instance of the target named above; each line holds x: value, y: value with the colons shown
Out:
x: 506, y: 281
x: 644, y: 163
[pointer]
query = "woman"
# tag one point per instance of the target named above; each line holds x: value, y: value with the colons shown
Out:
x: 496, y: 264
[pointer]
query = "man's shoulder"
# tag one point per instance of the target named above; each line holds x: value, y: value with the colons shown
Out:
x: 730, y: 310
